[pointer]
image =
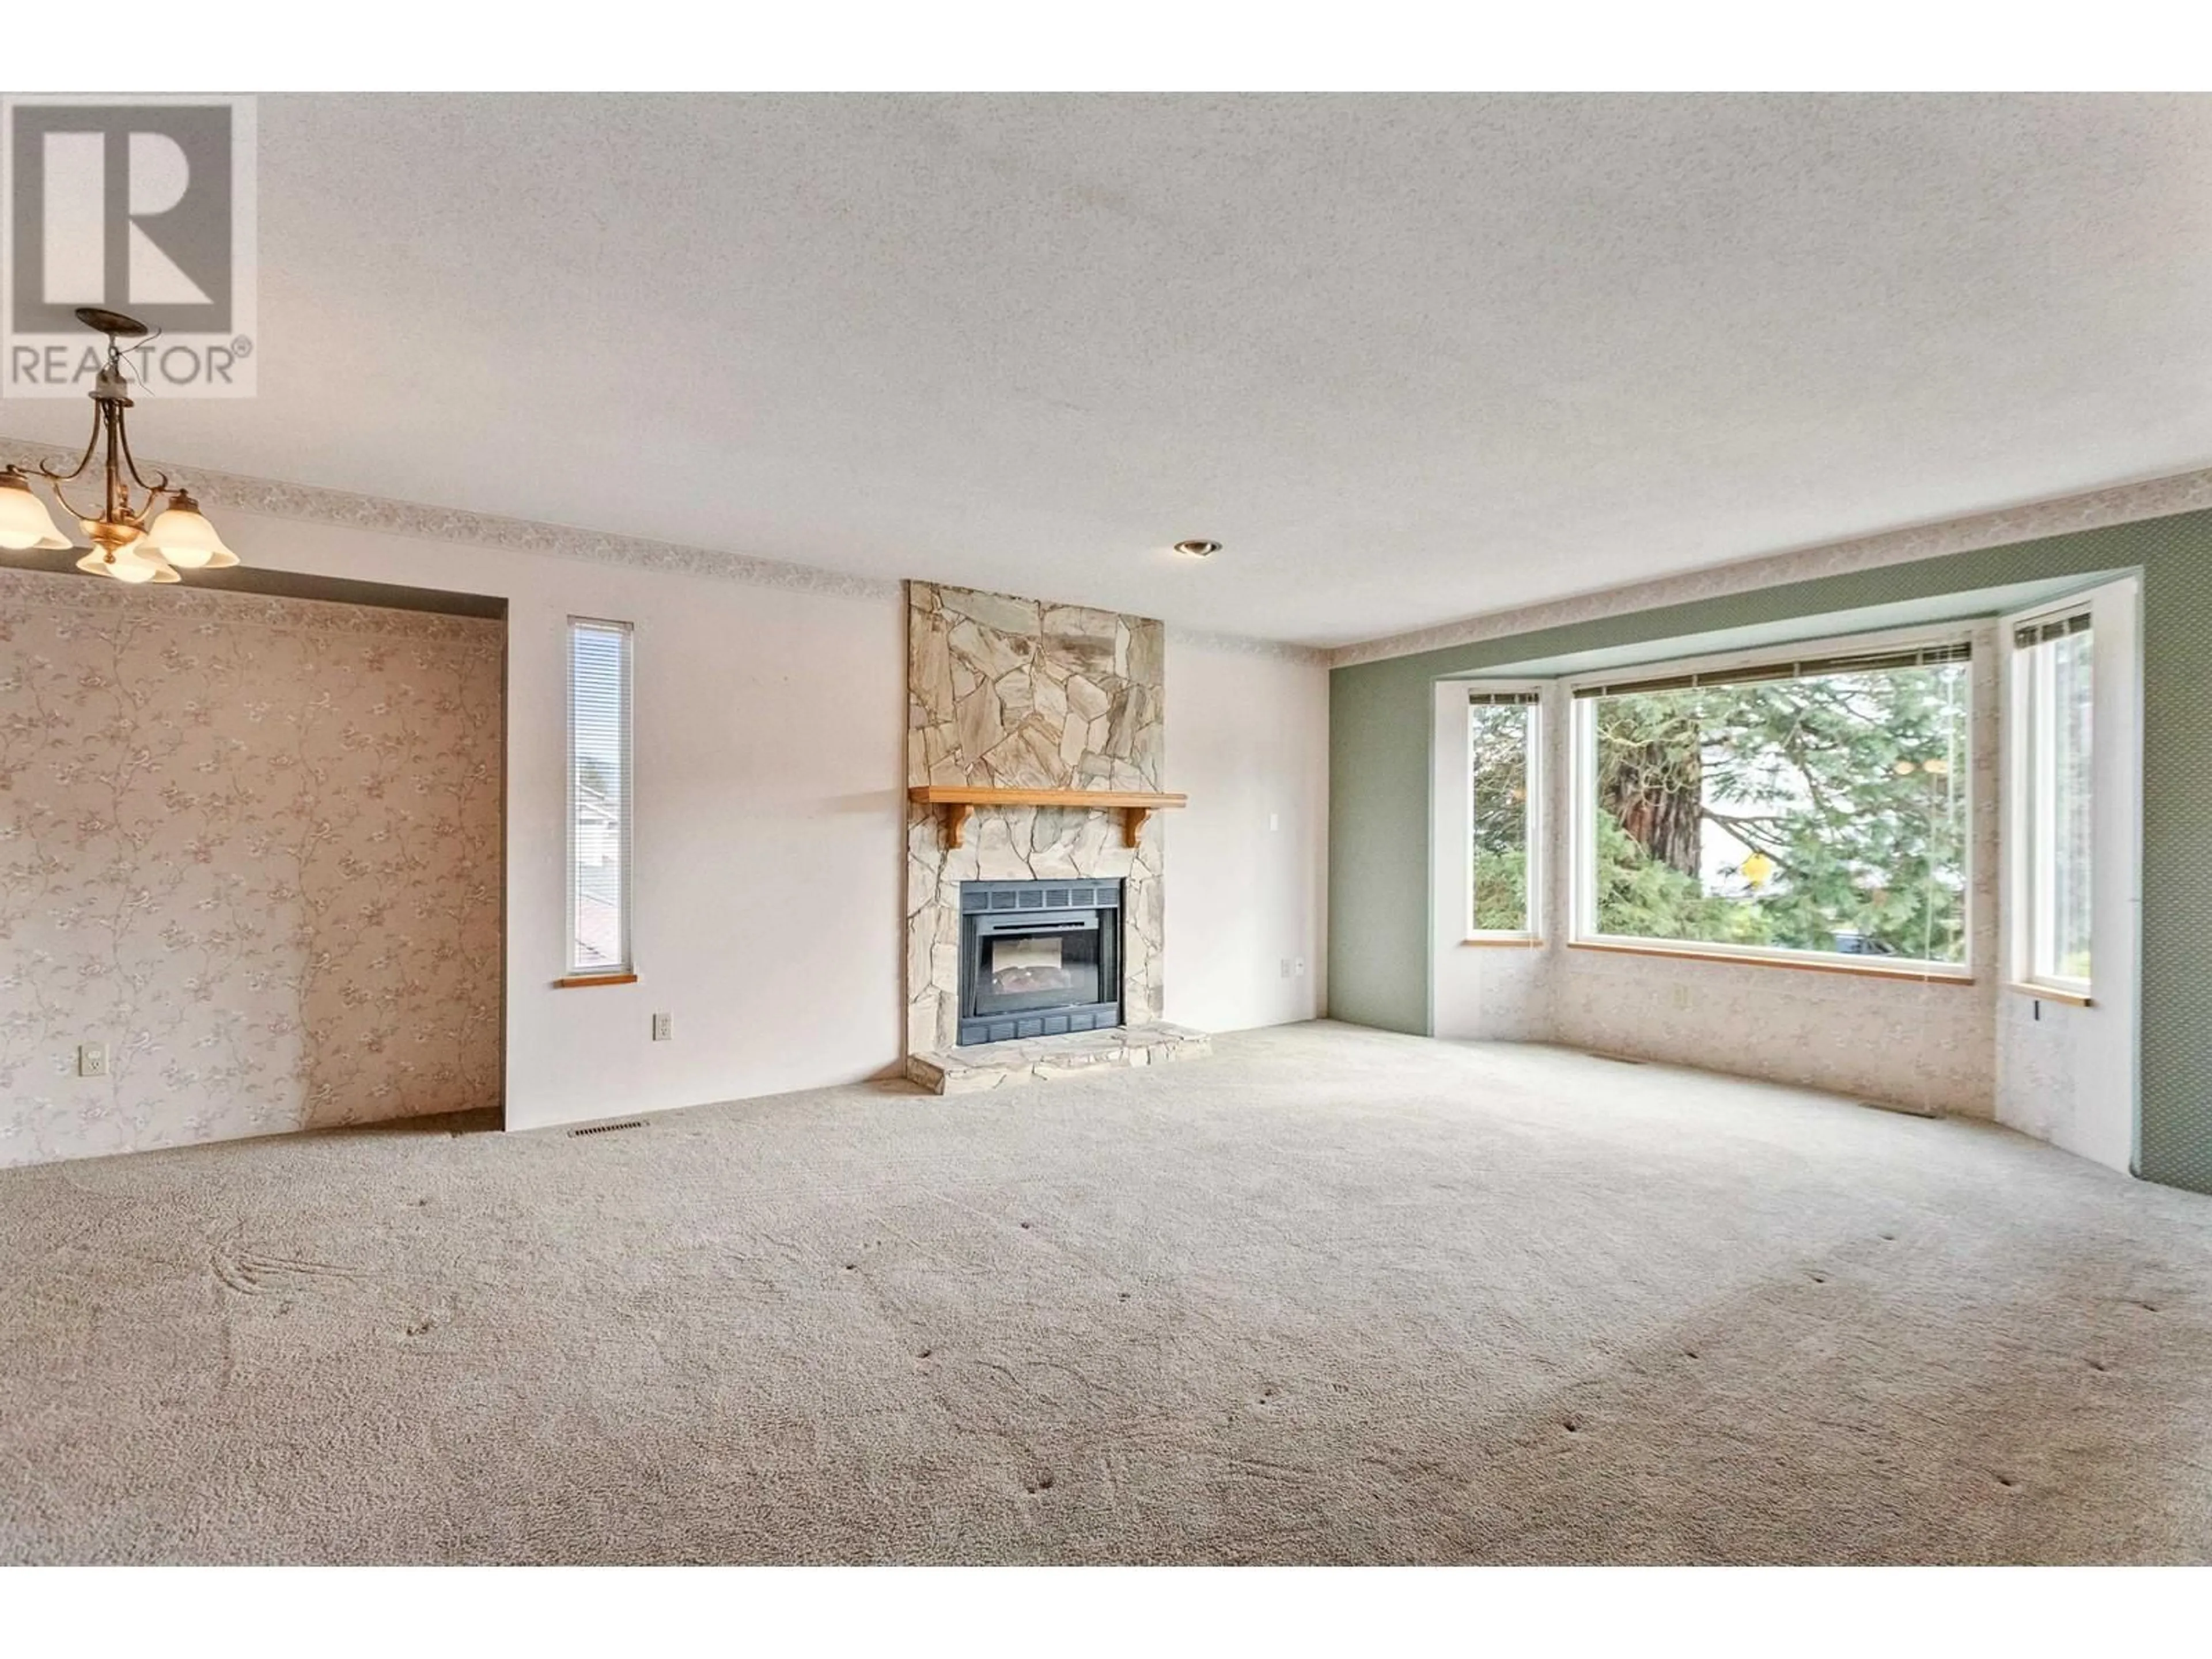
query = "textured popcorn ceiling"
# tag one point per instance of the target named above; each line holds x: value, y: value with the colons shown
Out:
x: 1411, y: 358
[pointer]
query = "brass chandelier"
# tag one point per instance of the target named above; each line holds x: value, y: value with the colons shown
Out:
x: 130, y: 542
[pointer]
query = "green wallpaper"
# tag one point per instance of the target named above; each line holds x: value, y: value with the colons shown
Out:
x: 1380, y: 714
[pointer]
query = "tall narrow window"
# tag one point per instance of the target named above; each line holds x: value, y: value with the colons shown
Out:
x: 1502, y: 765
x: 1808, y: 807
x: 599, y: 797
x: 2054, y: 659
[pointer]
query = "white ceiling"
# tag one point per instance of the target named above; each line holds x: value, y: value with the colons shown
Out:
x: 1410, y: 357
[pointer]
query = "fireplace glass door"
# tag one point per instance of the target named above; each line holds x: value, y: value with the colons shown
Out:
x: 1039, y: 959
x: 1038, y: 963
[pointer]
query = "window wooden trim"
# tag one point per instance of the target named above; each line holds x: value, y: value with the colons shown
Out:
x: 2028, y: 987
x: 577, y: 981
x: 1803, y: 962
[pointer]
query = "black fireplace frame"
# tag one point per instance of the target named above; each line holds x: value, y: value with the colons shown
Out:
x: 994, y: 909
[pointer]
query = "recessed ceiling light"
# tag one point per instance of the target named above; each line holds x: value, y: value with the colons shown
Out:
x: 1199, y: 549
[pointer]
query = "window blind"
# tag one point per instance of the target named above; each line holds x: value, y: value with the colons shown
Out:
x: 1494, y: 699
x: 599, y: 790
x: 1794, y: 668
x: 2030, y: 634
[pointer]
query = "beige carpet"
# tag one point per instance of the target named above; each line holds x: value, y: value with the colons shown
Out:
x: 1332, y: 1297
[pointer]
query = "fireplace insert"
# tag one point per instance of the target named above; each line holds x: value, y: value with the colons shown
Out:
x: 1039, y: 959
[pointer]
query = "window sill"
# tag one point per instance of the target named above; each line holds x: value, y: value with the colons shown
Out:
x: 2053, y: 994
x: 1507, y: 941
x: 577, y: 981
x: 1914, y: 976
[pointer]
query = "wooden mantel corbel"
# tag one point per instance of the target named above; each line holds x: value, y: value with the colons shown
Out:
x: 958, y: 801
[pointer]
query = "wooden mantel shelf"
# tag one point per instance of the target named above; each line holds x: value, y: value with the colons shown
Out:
x: 958, y: 800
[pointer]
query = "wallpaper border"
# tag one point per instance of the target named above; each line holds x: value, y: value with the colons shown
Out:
x: 312, y: 504
x: 228, y: 608
x: 2096, y: 509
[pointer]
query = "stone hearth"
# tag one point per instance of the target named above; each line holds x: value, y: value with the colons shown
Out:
x: 1000, y: 1065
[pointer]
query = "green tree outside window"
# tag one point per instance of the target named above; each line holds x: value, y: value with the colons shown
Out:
x: 1826, y: 813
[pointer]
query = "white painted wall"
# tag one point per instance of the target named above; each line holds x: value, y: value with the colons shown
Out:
x: 1246, y: 867
x: 767, y: 917
x: 2066, y: 1074
x: 766, y: 903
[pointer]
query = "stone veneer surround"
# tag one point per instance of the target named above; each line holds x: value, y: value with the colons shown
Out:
x: 1013, y: 693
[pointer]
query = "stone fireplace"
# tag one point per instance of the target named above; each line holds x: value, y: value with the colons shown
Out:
x: 1017, y: 693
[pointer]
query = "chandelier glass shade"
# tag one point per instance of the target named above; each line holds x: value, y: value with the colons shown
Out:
x: 24, y: 520
x: 131, y: 540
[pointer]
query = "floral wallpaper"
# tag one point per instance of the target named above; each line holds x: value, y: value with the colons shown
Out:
x: 253, y: 846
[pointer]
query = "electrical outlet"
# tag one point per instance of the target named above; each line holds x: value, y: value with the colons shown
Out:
x: 91, y: 1059
x: 1286, y: 967
x: 1682, y: 997
x: 1274, y: 821
x: 664, y: 1028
